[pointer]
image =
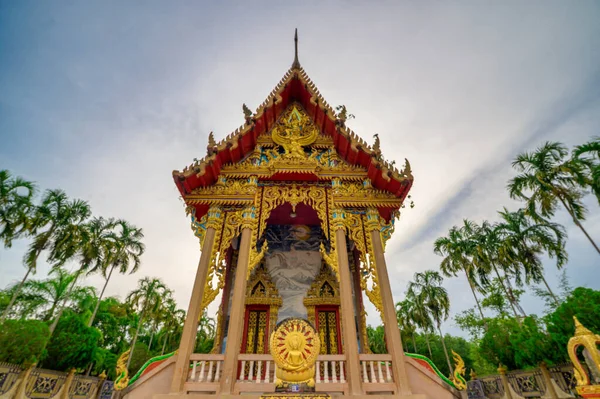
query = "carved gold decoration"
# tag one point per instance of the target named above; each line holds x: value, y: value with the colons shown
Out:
x: 373, y: 221
x: 250, y: 221
x: 331, y: 259
x: 199, y: 226
x: 294, y: 130
x: 360, y: 193
x: 387, y: 229
x: 225, y: 192
x: 273, y: 196
x: 262, y: 291
x: 358, y: 231
x: 226, y: 231
x: 295, y: 346
x: 459, y: 372
x: 122, y: 379
x: 324, y: 290
x: 363, y: 332
x: 589, y: 340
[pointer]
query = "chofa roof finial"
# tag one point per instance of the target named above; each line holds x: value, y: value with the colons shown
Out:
x: 296, y: 63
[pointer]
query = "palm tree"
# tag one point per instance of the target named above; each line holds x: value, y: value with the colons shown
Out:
x: 427, y: 289
x: 125, y: 249
x: 16, y: 195
x: 50, y: 220
x: 419, y: 315
x: 546, y: 179
x: 173, y: 321
x: 54, y: 290
x: 159, y: 315
x: 588, y: 155
x: 487, y: 257
x: 89, y: 243
x: 524, y: 240
x: 146, y: 299
x: 405, y: 317
x: 458, y: 250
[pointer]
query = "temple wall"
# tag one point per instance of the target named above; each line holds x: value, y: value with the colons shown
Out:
x: 157, y: 381
x: 423, y: 381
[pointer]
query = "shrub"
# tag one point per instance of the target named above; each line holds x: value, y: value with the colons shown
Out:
x: 72, y: 345
x: 23, y: 341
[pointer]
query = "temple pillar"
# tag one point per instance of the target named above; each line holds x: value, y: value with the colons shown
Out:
x: 190, y: 327
x: 347, y: 309
x: 392, y: 332
x: 238, y: 303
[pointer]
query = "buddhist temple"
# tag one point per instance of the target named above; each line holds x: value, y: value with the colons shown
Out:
x: 293, y: 211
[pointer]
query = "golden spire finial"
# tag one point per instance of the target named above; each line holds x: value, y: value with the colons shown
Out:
x: 580, y: 329
x: 296, y: 63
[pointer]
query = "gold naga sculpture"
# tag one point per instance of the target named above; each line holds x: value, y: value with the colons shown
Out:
x: 459, y: 372
x: 589, y: 340
x: 122, y: 379
x: 295, y: 346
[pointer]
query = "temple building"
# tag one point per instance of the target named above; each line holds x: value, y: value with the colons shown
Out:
x: 293, y: 211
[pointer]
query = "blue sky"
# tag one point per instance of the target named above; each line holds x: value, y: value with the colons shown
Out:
x: 105, y: 99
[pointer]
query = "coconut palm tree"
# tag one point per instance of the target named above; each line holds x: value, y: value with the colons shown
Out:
x: 48, y: 226
x: 588, y: 155
x: 88, y: 242
x: 16, y: 196
x: 427, y: 289
x: 524, y: 240
x: 458, y: 250
x: 173, y: 321
x: 548, y: 178
x: 159, y: 315
x: 51, y: 292
x: 406, y: 322
x: 145, y: 299
x: 124, y: 251
x: 487, y: 258
x: 419, y: 314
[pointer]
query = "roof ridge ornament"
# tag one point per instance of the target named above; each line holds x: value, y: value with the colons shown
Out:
x: 296, y: 63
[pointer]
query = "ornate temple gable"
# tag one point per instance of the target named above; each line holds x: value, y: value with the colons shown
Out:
x: 297, y: 87
x: 305, y: 151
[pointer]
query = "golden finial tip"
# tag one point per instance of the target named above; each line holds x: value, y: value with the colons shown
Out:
x: 296, y: 63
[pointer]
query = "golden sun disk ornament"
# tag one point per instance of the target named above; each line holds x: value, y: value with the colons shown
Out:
x: 295, y: 346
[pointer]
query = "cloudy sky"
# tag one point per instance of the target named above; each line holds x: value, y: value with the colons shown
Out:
x: 105, y: 99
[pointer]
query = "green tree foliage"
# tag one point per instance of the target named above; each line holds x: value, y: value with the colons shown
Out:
x: 23, y: 341
x: 583, y: 303
x: 588, y: 155
x: 105, y: 361
x: 376, y: 336
x: 73, y: 344
x: 139, y: 356
x: 548, y: 179
x: 16, y: 195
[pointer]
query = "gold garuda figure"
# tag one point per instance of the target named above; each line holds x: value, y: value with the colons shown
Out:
x: 295, y: 346
x: 293, y: 131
